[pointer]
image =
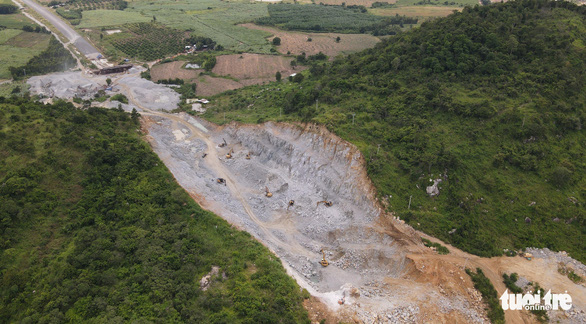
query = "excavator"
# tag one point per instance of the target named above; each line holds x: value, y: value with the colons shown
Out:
x: 229, y: 155
x: 248, y: 156
x: 325, y: 202
x: 323, y: 261
x: 221, y: 181
x: 291, y: 203
x: 268, y: 193
x: 223, y: 144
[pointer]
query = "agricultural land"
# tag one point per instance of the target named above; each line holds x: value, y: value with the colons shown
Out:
x: 18, y: 41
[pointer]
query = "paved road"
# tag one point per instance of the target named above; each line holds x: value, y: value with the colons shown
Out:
x: 81, y: 43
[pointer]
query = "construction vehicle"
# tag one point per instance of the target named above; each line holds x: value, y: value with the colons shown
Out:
x: 229, y: 155
x: 248, y: 156
x: 323, y: 261
x: 223, y: 144
x: 204, y: 155
x: 528, y: 256
x: 325, y: 202
x: 267, y: 192
x: 291, y: 203
x: 221, y: 181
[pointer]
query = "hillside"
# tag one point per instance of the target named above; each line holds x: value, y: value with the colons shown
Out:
x: 94, y: 228
x: 489, y: 100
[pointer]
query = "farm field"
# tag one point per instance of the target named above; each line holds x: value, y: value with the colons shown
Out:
x: 253, y: 66
x: 230, y: 72
x: 17, y: 46
x: 173, y: 70
x: 105, y: 18
x: 218, y: 22
x: 416, y: 11
x: 296, y: 42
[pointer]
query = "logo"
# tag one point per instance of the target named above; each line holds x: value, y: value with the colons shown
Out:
x: 533, y: 302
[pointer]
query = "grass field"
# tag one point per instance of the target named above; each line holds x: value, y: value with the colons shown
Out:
x: 16, y: 46
x: 105, y: 18
x: 15, y: 21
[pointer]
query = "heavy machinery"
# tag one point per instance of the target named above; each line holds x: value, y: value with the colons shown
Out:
x: 325, y: 202
x: 268, y: 193
x: 229, y: 155
x: 223, y: 144
x: 221, y: 181
x: 291, y: 203
x: 323, y: 261
x: 204, y: 155
x: 248, y: 156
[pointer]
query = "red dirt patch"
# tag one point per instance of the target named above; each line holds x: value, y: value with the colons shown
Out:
x: 253, y: 66
x: 296, y: 42
x: 173, y: 70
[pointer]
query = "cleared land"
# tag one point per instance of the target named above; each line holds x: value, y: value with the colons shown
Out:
x: 173, y: 70
x: 234, y: 71
x: 296, y: 42
x: 416, y: 11
x: 253, y: 66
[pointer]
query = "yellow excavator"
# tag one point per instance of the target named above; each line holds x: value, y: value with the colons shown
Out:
x: 221, y: 181
x: 223, y: 144
x: 323, y: 261
x: 229, y: 155
x: 268, y: 193
x: 248, y: 156
x: 325, y: 202
x: 291, y: 203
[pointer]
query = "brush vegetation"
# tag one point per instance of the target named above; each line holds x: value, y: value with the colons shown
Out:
x: 94, y: 228
x: 490, y: 100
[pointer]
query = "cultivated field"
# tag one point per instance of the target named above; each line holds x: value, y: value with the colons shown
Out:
x: 416, y: 11
x: 296, y: 42
x: 173, y: 70
x: 253, y: 66
x: 231, y: 72
x: 210, y: 18
x: 366, y: 3
x: 17, y: 47
x: 104, y: 18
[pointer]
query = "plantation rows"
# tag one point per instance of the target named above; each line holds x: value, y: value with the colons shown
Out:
x: 321, y: 18
x: 96, y: 4
x: 150, y: 41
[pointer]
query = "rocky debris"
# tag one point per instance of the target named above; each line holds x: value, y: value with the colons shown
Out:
x: 206, y: 280
x: 559, y: 257
x: 433, y: 190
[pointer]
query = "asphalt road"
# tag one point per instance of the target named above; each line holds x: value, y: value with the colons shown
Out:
x: 80, y: 43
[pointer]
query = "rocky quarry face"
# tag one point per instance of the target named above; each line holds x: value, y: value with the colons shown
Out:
x: 367, y: 250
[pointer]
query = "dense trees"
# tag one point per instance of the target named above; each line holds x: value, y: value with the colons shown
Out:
x: 94, y: 229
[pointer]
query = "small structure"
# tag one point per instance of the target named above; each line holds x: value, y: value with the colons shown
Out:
x: 113, y: 69
x: 528, y: 256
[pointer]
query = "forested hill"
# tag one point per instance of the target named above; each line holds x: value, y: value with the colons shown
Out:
x: 491, y: 100
x: 94, y: 229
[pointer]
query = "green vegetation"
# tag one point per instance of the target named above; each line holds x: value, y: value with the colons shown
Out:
x: 18, y: 47
x: 438, y: 247
x: 510, y: 283
x: 120, y: 98
x: 150, y: 41
x: 320, y: 18
x: 571, y: 274
x: 106, y: 18
x: 94, y: 4
x: 215, y: 19
x: 7, y: 9
x: 74, y: 16
x: 496, y: 112
x: 15, y: 21
x: 94, y: 228
x: 54, y: 58
x: 489, y: 295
